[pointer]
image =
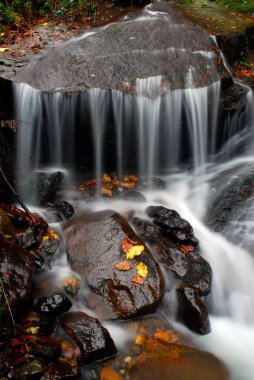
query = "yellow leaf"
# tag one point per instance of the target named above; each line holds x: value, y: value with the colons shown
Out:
x: 136, y: 250
x: 142, y: 269
x: 32, y: 330
x: 4, y: 49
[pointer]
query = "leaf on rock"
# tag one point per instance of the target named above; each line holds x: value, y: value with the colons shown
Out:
x: 127, y: 243
x: 137, y: 280
x: 136, y: 250
x: 107, y: 192
x: 186, y: 248
x: 123, y: 265
x: 3, y: 49
x: 32, y: 330
x: 142, y: 269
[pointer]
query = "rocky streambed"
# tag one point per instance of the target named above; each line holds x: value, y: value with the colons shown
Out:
x: 54, y: 320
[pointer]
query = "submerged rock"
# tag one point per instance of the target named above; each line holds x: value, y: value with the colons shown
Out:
x: 93, y: 340
x: 94, y: 244
x: 156, y: 42
x: 176, y: 362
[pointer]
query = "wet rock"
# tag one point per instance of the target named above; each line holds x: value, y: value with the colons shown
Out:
x: 186, y: 263
x: 27, y: 237
x: 91, y: 337
x: 16, y: 270
x: 65, y: 208
x: 94, y: 244
x: 134, y: 196
x: 176, y: 362
x: 146, y: 230
x: 126, y: 52
x: 50, y: 245
x: 172, y: 225
x: 192, y: 311
x: 46, y: 349
x: 32, y: 370
x: 53, y: 305
x: 67, y: 369
x: 42, y: 187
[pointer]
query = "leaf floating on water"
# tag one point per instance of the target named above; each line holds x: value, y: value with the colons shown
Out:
x: 186, y: 248
x: 136, y: 250
x: 123, y: 266
x: 127, y: 243
x: 137, y: 280
x: 142, y: 269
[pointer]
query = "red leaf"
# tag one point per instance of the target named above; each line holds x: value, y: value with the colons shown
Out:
x: 137, y: 280
x: 186, y: 248
x: 123, y: 265
x: 127, y: 243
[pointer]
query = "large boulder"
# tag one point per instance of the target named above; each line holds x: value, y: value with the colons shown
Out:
x: 94, y: 245
x: 158, y: 41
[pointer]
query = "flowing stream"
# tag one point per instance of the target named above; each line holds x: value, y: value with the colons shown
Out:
x: 152, y: 133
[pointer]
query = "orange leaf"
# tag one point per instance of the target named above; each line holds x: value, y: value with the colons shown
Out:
x: 123, y: 265
x: 137, y: 280
x: 127, y: 243
x: 186, y: 248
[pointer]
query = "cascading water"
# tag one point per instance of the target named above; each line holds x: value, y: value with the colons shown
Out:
x: 152, y: 133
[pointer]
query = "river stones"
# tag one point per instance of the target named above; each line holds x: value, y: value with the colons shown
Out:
x: 53, y: 305
x: 94, y: 246
x: 16, y: 271
x: 93, y: 340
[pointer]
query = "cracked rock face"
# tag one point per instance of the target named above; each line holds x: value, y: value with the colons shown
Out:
x: 155, y: 42
x: 94, y: 245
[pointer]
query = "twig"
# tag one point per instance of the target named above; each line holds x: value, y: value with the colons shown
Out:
x: 17, y: 196
x: 8, y: 305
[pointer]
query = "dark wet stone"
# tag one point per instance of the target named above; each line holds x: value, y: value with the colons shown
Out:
x: 31, y: 370
x: 94, y: 248
x: 190, y: 267
x: 93, y: 340
x: 134, y: 196
x: 161, y: 212
x: 146, y: 230
x: 63, y: 369
x: 40, y: 261
x: 65, y: 208
x: 173, y: 223
x: 53, y: 305
x: 42, y: 187
x: 192, y: 311
x: 171, y: 361
x: 46, y: 349
x: 50, y: 245
x: 16, y: 270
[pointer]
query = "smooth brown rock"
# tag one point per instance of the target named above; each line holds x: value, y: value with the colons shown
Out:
x: 94, y: 248
x: 91, y: 337
x: 176, y: 362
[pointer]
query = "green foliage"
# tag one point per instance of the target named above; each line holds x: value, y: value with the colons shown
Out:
x: 245, y: 5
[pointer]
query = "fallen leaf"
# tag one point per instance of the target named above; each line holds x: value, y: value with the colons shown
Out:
x: 128, y: 185
x: 137, y: 280
x: 108, y: 373
x: 136, y: 250
x: 123, y: 265
x: 107, y: 192
x: 106, y: 178
x: 127, y: 243
x: 3, y: 49
x: 32, y: 330
x: 142, y: 269
x: 186, y: 248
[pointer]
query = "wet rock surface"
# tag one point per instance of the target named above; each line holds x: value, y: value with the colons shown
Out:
x: 144, y: 45
x: 16, y: 269
x: 176, y: 362
x: 42, y: 187
x: 93, y: 340
x: 94, y: 244
x: 53, y: 305
x: 192, y: 311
